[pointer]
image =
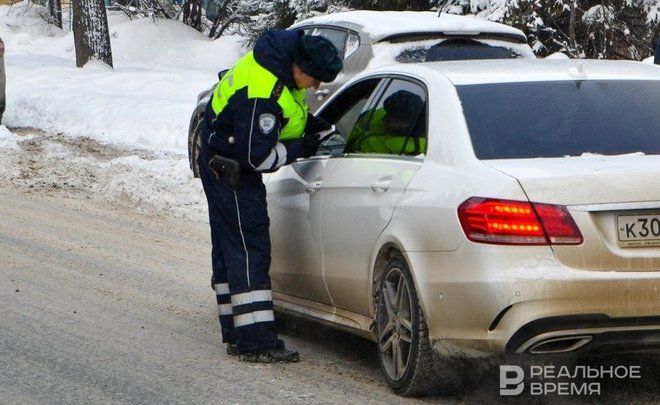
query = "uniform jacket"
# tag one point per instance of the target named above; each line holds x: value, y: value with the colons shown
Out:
x: 257, y: 114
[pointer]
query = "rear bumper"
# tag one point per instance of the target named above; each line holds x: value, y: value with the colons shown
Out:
x: 527, y: 302
x: 586, y: 334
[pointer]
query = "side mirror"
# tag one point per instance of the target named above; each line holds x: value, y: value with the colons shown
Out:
x: 333, y: 146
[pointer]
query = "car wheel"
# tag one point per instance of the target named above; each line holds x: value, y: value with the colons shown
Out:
x: 404, y: 348
x: 194, y: 144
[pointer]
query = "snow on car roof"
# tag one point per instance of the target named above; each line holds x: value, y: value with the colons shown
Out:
x: 381, y: 24
x: 529, y: 70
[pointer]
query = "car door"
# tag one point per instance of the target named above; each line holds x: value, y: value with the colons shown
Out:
x: 359, y: 197
x: 295, y: 203
x: 294, y: 211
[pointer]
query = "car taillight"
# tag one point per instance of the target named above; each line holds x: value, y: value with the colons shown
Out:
x: 508, y: 222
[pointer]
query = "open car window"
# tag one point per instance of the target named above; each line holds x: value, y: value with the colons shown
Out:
x: 395, y: 125
x: 344, y: 111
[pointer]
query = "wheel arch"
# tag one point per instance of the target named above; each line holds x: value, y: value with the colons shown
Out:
x: 419, y: 375
x: 389, y: 248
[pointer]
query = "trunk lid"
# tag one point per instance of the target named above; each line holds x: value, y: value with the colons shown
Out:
x: 614, y: 200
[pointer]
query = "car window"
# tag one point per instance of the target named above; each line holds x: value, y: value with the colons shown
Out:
x: 343, y: 112
x: 396, y: 125
x: 352, y: 44
x: 562, y: 118
x: 337, y: 37
x: 458, y: 49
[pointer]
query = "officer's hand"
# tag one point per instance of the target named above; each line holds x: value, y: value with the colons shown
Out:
x: 310, y: 144
x: 316, y: 124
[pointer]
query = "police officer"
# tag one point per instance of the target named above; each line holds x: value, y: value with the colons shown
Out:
x: 254, y: 123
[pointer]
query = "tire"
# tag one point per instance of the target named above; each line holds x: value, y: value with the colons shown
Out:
x: 194, y: 143
x: 404, y: 349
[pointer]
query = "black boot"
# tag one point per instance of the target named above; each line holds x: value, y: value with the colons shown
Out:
x: 275, y: 355
x: 232, y: 349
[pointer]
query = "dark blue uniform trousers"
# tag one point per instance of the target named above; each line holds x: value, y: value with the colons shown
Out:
x: 241, y: 259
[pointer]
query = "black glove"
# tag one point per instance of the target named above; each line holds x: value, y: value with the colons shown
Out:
x: 310, y: 143
x: 316, y: 124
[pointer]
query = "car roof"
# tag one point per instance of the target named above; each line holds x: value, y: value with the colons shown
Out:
x: 528, y: 70
x: 388, y: 25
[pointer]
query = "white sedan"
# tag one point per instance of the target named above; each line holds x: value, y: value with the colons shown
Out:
x: 516, y: 211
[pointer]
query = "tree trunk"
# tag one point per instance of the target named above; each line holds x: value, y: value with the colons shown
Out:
x: 605, y: 48
x: 192, y: 14
x: 571, y: 30
x: 55, y: 11
x: 90, y: 32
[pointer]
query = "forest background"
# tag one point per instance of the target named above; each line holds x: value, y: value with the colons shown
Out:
x: 601, y: 29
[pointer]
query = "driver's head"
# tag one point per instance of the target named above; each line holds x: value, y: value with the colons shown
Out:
x: 402, y: 109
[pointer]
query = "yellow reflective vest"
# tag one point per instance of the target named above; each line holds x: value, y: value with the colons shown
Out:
x: 373, y: 136
x: 261, y: 83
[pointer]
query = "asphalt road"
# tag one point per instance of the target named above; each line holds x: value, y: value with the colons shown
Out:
x: 100, y: 305
x: 103, y: 302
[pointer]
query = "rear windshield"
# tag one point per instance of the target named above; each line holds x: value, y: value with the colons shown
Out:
x: 460, y: 49
x: 567, y: 118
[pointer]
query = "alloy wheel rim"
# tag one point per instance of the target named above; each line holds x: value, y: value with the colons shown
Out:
x: 395, y: 322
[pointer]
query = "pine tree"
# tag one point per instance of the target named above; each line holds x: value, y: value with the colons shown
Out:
x: 614, y: 29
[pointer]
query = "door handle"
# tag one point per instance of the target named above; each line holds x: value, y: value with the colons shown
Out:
x: 381, y: 186
x: 313, y: 187
x: 320, y: 94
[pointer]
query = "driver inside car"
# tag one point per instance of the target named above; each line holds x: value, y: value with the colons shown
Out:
x: 391, y: 128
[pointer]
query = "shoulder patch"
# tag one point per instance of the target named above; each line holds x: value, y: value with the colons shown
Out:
x: 266, y: 123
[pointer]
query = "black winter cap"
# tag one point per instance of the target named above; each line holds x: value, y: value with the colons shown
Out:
x: 403, y: 105
x: 318, y: 57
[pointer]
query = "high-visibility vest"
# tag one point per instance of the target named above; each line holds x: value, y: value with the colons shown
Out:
x: 374, y: 137
x: 260, y: 83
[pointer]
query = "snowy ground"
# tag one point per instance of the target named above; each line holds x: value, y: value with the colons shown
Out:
x: 110, y: 133
x: 115, y: 133
x: 154, y: 182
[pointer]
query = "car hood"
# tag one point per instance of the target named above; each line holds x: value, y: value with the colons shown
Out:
x: 588, y: 179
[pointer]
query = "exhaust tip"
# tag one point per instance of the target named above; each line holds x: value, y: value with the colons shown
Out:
x: 560, y: 344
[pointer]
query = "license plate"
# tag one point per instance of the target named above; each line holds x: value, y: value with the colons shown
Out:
x: 638, y: 230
